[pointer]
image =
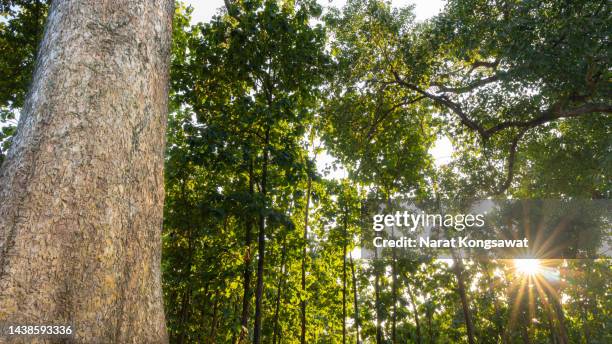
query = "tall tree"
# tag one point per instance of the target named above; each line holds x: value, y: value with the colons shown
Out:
x: 250, y: 84
x: 82, y: 186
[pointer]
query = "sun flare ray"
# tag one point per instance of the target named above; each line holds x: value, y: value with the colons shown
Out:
x: 528, y: 267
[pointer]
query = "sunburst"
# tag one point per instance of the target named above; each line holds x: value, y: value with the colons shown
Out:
x: 534, y: 279
x: 528, y: 267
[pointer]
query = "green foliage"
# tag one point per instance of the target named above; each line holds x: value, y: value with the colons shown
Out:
x: 371, y: 127
x: 529, y: 77
x: 260, y: 93
x: 245, y: 87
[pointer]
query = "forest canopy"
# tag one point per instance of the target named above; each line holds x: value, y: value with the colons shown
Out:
x: 262, y: 238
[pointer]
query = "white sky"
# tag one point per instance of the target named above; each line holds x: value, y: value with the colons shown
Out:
x: 203, y: 10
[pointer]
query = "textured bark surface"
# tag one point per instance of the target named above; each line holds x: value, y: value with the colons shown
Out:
x: 81, y: 192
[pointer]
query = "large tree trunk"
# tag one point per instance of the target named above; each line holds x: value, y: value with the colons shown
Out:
x: 82, y: 188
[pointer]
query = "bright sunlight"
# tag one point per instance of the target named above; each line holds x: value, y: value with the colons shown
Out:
x: 528, y: 267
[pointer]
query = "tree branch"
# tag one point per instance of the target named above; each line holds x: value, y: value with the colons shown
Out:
x: 510, y: 163
x: 555, y: 112
x: 380, y: 118
x: 467, y: 88
x: 232, y: 11
x: 443, y: 100
x: 558, y: 110
x: 479, y: 63
x: 547, y: 116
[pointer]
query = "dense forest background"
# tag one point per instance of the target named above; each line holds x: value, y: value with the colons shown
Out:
x: 259, y: 241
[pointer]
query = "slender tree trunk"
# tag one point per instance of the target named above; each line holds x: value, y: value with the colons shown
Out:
x: 184, y: 315
x: 554, y: 299
x: 379, y: 334
x: 550, y: 312
x: 304, y: 252
x: 214, y: 323
x: 246, y: 295
x: 458, y: 271
x: 556, y: 317
x: 185, y: 312
x: 393, y: 282
x: 279, y: 294
x: 585, y: 323
x: 496, y: 307
x: 467, y: 314
x: 81, y: 189
x: 204, y: 308
x: 416, y: 314
x: 261, y: 242
x: 525, y: 335
x: 355, y: 299
x: 584, y: 312
x: 429, y: 315
x: 237, y: 306
x: 344, y: 249
x: 551, y: 327
x: 394, y: 295
x: 525, y: 325
x: 187, y: 293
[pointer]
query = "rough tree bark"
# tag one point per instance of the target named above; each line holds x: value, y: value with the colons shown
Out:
x: 81, y: 191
